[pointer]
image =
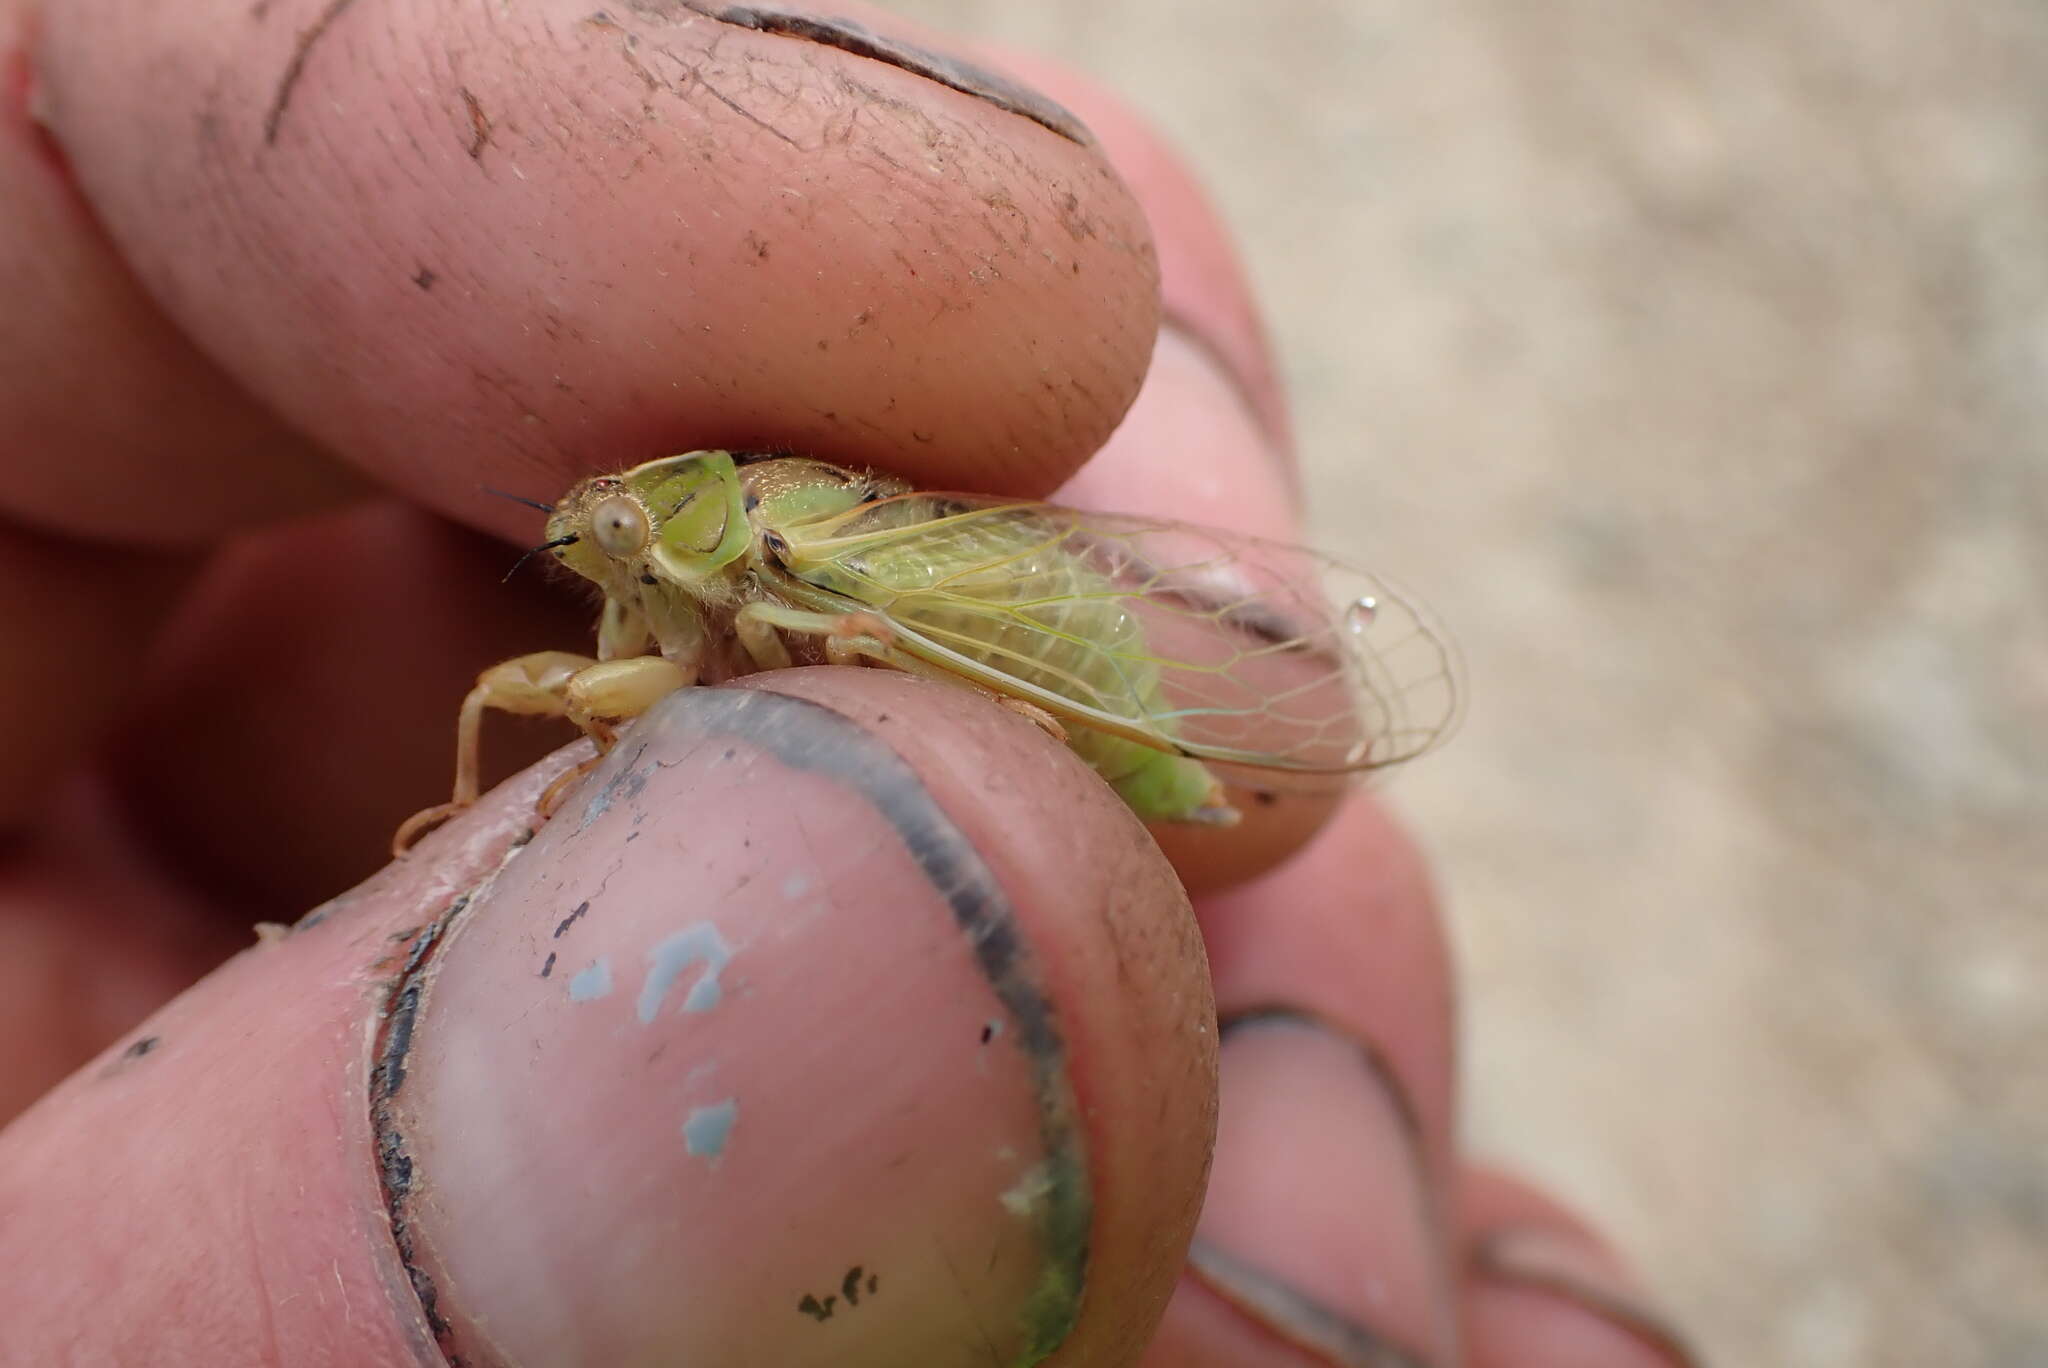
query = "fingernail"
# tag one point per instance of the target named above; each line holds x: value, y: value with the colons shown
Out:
x: 1319, y: 1223
x: 862, y: 41
x: 741, y: 1059
x: 1549, y: 1263
x: 1232, y: 368
x: 1191, y: 402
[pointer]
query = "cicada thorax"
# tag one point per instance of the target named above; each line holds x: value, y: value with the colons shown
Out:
x: 783, y: 492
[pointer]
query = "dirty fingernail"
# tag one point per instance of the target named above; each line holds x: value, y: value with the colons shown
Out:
x: 741, y: 1060
x: 952, y: 72
x: 1535, y: 1264
x: 1319, y: 1224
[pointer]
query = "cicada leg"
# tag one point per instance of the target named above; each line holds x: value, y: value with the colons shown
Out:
x: 854, y: 638
x: 592, y: 694
x: 896, y: 658
x: 1031, y: 712
x: 558, y: 788
x: 849, y: 637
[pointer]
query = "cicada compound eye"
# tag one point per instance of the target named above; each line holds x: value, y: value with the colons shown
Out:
x: 618, y: 524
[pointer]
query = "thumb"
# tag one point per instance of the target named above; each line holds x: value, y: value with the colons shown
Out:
x: 839, y: 1020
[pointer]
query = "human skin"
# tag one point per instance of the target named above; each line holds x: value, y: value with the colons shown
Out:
x: 963, y: 1039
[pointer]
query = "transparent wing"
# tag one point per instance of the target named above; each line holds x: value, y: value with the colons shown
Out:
x: 1220, y: 646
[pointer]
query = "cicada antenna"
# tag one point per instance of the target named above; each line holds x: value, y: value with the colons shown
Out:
x: 531, y: 552
x: 520, y: 499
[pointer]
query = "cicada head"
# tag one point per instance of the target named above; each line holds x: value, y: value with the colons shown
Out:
x: 681, y: 520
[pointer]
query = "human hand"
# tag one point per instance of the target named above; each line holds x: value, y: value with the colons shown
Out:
x: 839, y: 1018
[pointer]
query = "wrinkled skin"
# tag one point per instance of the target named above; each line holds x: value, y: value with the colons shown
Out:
x: 288, y: 284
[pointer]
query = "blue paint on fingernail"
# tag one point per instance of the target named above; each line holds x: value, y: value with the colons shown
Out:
x: 705, y: 1132
x: 796, y: 885
x: 699, y: 944
x: 588, y: 985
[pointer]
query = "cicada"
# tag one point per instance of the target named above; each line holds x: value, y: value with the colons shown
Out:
x: 1167, y: 656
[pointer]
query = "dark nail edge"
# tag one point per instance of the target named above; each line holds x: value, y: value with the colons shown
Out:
x: 387, y: 1078
x: 1408, y: 1116
x: 1376, y: 1062
x: 1291, y: 1316
x: 1491, y: 1264
x: 954, y: 73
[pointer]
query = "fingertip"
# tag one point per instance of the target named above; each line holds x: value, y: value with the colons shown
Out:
x: 1120, y: 947
x: 1543, y: 1289
x: 1206, y: 293
x: 596, y: 237
x: 1350, y: 928
x: 1327, y: 1226
x: 860, y: 941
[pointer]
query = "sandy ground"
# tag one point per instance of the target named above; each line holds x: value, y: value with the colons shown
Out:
x: 1692, y: 357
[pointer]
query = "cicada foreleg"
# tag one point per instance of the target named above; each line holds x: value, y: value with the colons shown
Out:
x: 601, y: 696
x: 595, y: 695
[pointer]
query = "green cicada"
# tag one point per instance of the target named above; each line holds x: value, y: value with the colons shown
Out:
x: 1163, y: 654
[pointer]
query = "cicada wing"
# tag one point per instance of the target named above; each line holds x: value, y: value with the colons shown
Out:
x: 1295, y: 661
x: 1226, y: 647
x: 1276, y: 657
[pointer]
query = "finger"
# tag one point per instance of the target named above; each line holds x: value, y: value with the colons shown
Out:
x: 300, y: 705
x: 73, y: 622
x: 1207, y: 442
x: 303, y: 701
x: 360, y: 677
x: 1326, y: 1230
x: 1193, y: 451
x: 122, y: 444
x: 834, y: 1021
x: 338, y: 650
x: 93, y: 938
x: 1542, y: 1291
x: 118, y: 429
x: 1206, y: 294
x: 474, y: 246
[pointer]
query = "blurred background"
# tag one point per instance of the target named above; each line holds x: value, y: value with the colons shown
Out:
x: 1691, y: 358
